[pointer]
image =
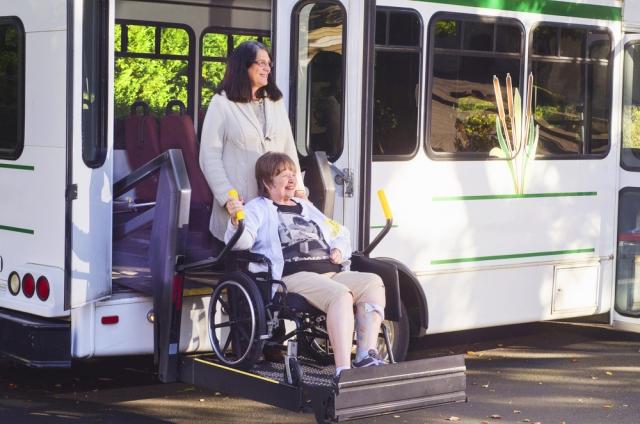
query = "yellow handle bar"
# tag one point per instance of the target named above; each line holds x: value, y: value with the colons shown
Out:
x: 385, y: 205
x: 233, y: 193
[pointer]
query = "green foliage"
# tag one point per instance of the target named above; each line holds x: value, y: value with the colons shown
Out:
x: 475, y: 125
x: 214, y: 45
x: 631, y: 127
x: 446, y: 28
x: 174, y: 41
x: 157, y: 81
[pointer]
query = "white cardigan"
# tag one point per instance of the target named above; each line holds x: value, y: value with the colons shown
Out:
x: 231, y: 143
x: 261, y: 233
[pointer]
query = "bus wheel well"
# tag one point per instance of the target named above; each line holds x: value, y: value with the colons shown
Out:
x: 413, y: 298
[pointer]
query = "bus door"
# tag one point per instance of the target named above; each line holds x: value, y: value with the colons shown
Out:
x: 626, y: 313
x: 320, y: 49
x: 89, y: 189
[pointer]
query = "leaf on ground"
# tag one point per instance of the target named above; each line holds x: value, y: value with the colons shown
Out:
x: 515, y: 411
x: 495, y: 417
x: 453, y: 418
x: 484, y: 386
x: 593, y: 377
x: 574, y: 360
x: 608, y: 373
x: 526, y: 420
x: 607, y: 406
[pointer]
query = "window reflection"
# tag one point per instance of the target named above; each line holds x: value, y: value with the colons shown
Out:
x: 396, y: 90
x: 628, y: 259
x: 572, y: 92
x: 630, y: 157
x: 319, y: 79
x: 466, y: 56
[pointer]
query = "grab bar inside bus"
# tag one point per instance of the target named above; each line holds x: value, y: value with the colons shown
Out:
x: 387, y: 227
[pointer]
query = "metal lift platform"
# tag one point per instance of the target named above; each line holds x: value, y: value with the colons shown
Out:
x: 358, y: 393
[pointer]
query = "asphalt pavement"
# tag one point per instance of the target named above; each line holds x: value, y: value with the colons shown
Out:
x: 535, y: 373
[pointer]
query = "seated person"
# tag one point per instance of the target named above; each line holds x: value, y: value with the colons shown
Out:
x: 310, y: 253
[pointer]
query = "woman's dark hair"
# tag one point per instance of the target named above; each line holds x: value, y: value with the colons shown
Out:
x: 268, y: 166
x: 236, y: 83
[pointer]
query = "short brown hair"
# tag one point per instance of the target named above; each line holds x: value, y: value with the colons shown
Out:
x: 268, y: 166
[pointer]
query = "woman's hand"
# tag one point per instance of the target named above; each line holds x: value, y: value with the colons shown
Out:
x: 233, y: 207
x: 335, y: 256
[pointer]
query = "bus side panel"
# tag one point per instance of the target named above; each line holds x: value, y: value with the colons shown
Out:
x: 32, y: 187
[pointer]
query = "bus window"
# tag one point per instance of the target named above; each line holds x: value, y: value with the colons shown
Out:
x: 396, y: 89
x: 216, y: 47
x: 466, y: 53
x: 318, y: 93
x: 94, y: 85
x: 153, y: 63
x: 628, y: 258
x: 630, y: 156
x: 11, y: 87
x: 572, y: 90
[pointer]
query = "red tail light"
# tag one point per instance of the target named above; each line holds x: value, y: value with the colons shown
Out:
x: 42, y: 288
x: 28, y: 285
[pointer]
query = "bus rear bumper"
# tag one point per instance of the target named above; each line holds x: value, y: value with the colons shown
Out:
x: 35, y: 341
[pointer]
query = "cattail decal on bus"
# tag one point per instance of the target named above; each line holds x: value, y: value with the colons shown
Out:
x: 519, y: 145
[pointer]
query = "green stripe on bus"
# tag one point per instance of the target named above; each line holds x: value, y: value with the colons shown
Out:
x: 545, y: 7
x: 16, y: 229
x: 21, y: 167
x: 513, y: 196
x: 512, y: 256
x: 377, y: 227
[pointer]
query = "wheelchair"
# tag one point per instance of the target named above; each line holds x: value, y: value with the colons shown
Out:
x: 243, y: 314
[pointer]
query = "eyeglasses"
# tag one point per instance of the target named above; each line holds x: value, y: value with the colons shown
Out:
x: 263, y: 64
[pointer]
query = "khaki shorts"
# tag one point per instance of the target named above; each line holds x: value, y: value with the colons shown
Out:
x: 321, y: 289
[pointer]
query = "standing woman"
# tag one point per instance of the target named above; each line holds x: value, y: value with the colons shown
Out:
x: 246, y: 118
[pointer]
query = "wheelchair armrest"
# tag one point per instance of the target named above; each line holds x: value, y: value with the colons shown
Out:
x: 249, y: 256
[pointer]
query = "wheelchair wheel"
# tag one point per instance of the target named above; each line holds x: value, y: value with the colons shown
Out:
x: 237, y: 321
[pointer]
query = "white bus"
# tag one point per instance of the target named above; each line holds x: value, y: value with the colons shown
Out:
x: 397, y: 93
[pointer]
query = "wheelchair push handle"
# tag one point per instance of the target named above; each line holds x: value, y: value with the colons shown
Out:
x: 387, y: 226
x: 233, y: 194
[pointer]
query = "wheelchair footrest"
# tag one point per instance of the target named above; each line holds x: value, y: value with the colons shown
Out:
x: 398, y: 387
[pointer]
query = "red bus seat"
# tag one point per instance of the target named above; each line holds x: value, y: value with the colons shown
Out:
x: 177, y: 132
x: 142, y: 143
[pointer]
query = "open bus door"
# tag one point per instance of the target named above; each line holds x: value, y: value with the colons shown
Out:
x: 626, y: 311
x: 319, y: 51
x: 89, y: 193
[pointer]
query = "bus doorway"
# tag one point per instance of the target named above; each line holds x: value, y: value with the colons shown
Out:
x: 626, y: 310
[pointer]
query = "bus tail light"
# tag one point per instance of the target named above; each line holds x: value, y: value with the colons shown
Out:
x: 110, y: 320
x: 28, y: 285
x: 14, y: 283
x: 42, y: 288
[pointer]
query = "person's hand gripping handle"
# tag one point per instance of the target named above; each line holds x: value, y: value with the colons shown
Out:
x: 235, y: 207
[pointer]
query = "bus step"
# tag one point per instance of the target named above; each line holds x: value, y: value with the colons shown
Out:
x: 394, y: 388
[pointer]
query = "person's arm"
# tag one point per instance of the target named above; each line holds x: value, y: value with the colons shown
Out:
x: 211, y: 148
x: 253, y: 219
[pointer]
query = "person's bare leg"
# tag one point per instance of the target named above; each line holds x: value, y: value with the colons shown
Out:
x: 340, y: 328
x: 369, y: 315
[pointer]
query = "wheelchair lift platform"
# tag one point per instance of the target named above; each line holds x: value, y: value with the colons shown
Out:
x: 359, y: 393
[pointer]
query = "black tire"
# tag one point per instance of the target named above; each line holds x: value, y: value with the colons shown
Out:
x: 398, y: 336
x: 236, y: 305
